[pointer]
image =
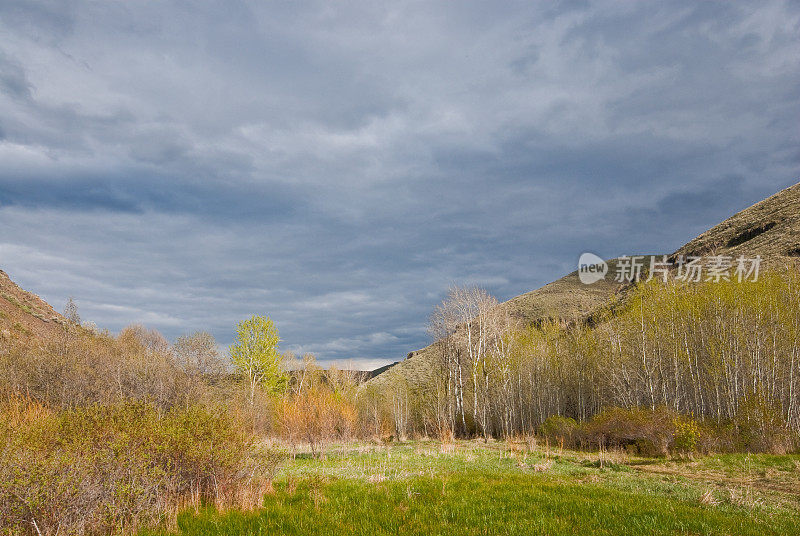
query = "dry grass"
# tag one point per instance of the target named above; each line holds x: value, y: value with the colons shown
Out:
x: 709, y: 499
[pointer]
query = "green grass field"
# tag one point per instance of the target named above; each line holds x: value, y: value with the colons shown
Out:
x: 500, y: 488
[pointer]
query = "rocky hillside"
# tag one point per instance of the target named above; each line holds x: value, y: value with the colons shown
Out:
x: 23, y: 315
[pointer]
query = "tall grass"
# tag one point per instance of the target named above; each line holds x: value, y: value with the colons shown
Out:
x: 473, y: 504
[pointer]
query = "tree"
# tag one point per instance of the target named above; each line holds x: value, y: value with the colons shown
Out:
x: 197, y: 354
x: 71, y: 312
x: 442, y: 327
x: 461, y: 326
x: 255, y: 355
x: 198, y: 357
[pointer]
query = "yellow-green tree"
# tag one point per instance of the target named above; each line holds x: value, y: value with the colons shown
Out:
x: 255, y: 355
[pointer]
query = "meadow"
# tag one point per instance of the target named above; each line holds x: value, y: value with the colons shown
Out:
x: 513, y: 487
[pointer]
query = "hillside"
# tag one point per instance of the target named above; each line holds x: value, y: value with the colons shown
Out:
x: 770, y: 228
x: 24, y: 316
x: 565, y: 299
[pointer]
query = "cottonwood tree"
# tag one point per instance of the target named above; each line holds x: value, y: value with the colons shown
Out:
x: 502, y: 363
x: 68, y: 332
x: 255, y: 355
x: 465, y: 327
x: 197, y: 354
x: 198, y: 357
x: 442, y: 326
x: 147, y: 372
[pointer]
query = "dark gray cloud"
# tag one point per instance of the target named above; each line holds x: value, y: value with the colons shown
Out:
x: 338, y: 166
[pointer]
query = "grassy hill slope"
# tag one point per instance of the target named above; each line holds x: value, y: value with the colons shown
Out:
x: 24, y: 316
x: 770, y: 228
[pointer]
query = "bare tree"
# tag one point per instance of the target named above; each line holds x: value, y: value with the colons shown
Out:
x: 198, y: 355
x: 71, y: 312
x: 462, y: 328
x: 442, y: 327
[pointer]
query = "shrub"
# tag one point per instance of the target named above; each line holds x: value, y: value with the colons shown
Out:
x: 104, y: 469
x: 316, y: 416
x: 641, y: 431
x: 558, y: 428
x: 760, y: 425
x: 687, y: 435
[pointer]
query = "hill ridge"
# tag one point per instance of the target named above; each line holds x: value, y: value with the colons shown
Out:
x: 24, y: 315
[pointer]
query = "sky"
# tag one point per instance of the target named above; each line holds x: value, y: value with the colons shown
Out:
x: 338, y: 165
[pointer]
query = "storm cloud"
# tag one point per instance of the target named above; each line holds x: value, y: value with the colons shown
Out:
x: 338, y: 165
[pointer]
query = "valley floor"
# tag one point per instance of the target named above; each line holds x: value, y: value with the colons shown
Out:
x: 516, y: 488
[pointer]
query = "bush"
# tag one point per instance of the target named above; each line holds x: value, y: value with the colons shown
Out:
x: 558, y: 428
x: 316, y: 416
x: 760, y: 425
x: 641, y: 431
x: 104, y: 469
x: 686, y: 437
x: 75, y: 368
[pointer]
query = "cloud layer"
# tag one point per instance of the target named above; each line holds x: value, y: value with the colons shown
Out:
x: 337, y: 166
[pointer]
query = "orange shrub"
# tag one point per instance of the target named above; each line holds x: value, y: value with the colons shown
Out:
x: 316, y: 416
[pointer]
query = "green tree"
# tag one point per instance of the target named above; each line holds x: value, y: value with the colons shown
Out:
x: 255, y: 355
